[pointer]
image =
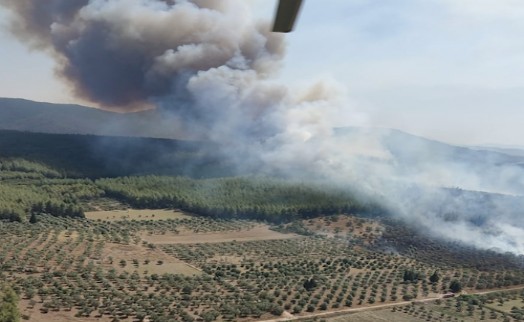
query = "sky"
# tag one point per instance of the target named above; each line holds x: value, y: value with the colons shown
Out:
x: 451, y: 70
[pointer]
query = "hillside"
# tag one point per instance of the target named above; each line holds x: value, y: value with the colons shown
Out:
x: 24, y: 115
x: 110, y: 156
x: 408, y: 152
x: 416, y: 159
x: 409, y: 149
x: 511, y: 150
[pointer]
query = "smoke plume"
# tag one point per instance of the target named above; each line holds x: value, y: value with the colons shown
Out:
x: 124, y: 53
x: 209, y: 63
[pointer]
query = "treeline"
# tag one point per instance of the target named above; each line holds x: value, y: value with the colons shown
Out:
x: 62, y: 199
x: 23, y: 168
x: 236, y: 197
x: 57, y: 209
x: 30, y: 187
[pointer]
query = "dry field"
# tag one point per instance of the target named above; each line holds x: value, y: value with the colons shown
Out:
x: 259, y: 232
x: 68, y: 235
x: 136, y: 214
x: 144, y: 260
x: 221, y: 266
x: 343, y: 225
x: 384, y: 315
x: 99, y: 204
x: 35, y: 315
x: 506, y: 305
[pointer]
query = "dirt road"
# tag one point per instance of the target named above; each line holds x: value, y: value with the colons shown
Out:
x: 381, y: 306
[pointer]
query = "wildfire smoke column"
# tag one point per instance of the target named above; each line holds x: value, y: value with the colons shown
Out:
x: 124, y: 54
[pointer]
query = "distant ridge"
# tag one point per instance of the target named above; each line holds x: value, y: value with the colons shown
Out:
x: 408, y: 155
x: 517, y: 150
x: 24, y: 115
x: 95, y: 156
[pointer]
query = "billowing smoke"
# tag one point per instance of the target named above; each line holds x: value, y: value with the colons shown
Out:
x: 209, y: 63
x: 124, y: 53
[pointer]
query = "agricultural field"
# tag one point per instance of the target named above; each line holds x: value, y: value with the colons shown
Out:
x: 468, y: 308
x: 135, y: 214
x: 156, y: 248
x: 71, y: 269
x: 242, y: 234
x: 349, y: 227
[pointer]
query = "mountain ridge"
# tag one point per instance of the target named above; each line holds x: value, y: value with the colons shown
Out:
x: 409, y: 153
x: 25, y: 115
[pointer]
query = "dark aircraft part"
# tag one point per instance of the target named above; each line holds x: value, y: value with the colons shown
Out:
x: 287, y: 13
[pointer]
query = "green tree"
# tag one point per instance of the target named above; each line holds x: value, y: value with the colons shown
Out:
x: 33, y: 219
x: 310, y: 284
x: 9, y: 306
x: 276, y: 310
x: 455, y: 286
x: 411, y: 276
x: 434, y: 278
x: 209, y: 316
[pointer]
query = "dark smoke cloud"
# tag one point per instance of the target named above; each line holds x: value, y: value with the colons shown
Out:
x: 123, y: 53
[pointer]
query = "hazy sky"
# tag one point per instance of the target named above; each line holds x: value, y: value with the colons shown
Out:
x: 446, y: 69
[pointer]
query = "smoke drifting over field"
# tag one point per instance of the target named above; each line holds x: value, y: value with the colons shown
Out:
x: 210, y: 63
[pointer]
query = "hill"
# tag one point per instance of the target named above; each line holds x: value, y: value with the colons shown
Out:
x: 110, y: 156
x: 420, y: 160
x: 511, y: 150
x: 25, y: 115
x: 409, y: 152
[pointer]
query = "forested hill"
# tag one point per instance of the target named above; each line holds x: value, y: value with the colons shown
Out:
x: 25, y: 115
x: 44, y: 173
x: 259, y: 198
x: 29, y: 189
x: 104, y: 156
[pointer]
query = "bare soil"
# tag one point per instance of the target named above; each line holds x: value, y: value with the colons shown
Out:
x: 506, y: 306
x: 376, y: 316
x: 35, y: 315
x: 136, y: 214
x: 259, y: 232
x: 67, y: 236
x: 343, y: 225
x: 154, y: 261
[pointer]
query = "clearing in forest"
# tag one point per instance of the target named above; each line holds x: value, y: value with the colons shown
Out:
x: 136, y: 214
x: 258, y: 232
